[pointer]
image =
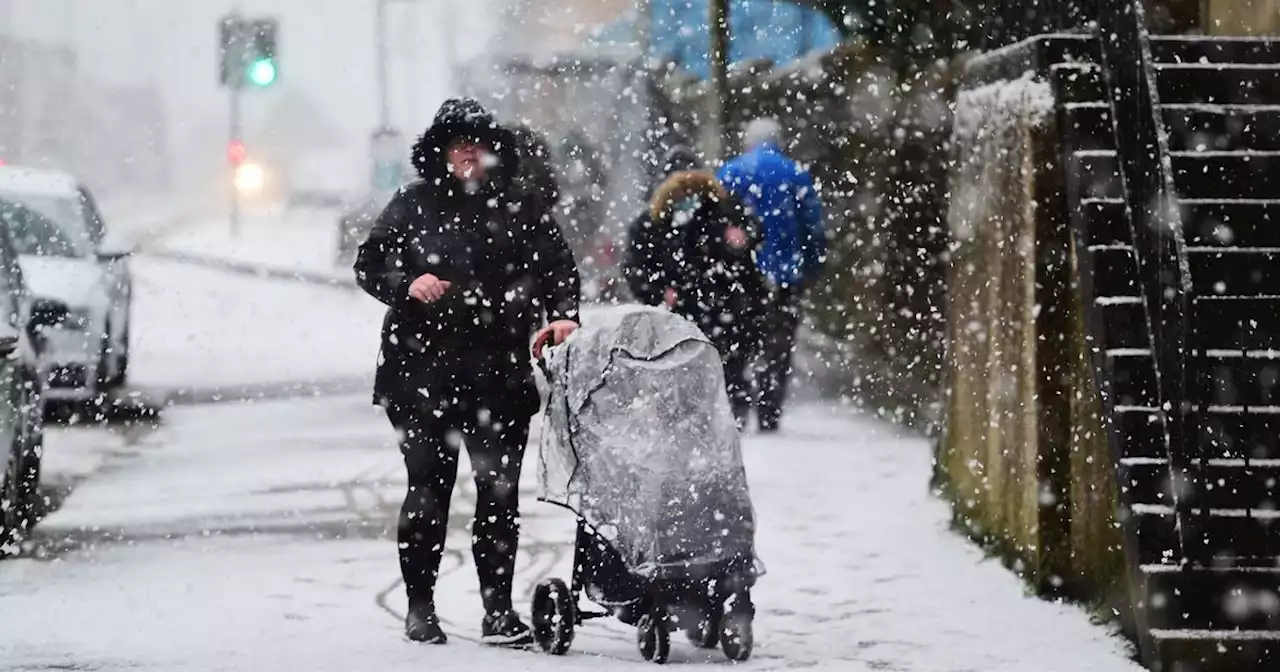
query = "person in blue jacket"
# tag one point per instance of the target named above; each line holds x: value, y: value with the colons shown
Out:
x: 782, y: 195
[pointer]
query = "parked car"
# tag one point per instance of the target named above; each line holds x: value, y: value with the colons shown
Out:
x: 23, y: 321
x: 60, y: 240
x: 57, y: 195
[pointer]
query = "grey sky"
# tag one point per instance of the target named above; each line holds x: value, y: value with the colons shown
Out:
x: 326, y: 53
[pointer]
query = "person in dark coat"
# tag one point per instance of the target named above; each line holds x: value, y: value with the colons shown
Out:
x: 703, y: 261
x: 537, y: 173
x: 645, y: 261
x: 466, y: 266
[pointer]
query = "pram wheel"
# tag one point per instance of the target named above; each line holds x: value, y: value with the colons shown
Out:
x: 736, y: 632
x: 653, y: 634
x: 705, y: 632
x: 555, y: 613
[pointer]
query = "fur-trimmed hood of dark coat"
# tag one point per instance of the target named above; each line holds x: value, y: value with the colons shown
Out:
x: 683, y: 185
x: 465, y: 118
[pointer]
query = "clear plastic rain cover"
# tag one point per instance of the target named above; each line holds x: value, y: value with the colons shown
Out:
x: 640, y: 441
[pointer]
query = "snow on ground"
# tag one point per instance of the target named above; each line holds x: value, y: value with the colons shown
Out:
x: 195, y: 327
x: 259, y: 536
x: 134, y: 218
x: 300, y: 240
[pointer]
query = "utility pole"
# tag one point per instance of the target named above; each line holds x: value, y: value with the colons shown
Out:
x: 380, y: 45
x: 719, y: 60
x: 644, y: 28
x: 235, y: 132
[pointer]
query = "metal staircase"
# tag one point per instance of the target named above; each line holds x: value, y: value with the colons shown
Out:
x: 1187, y: 326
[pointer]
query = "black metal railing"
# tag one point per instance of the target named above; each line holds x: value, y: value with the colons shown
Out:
x: 1143, y: 159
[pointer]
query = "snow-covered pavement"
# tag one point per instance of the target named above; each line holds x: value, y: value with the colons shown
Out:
x: 259, y: 536
x: 299, y: 241
x: 202, y: 329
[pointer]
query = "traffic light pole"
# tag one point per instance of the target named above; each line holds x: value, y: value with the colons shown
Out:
x: 380, y: 43
x: 235, y: 132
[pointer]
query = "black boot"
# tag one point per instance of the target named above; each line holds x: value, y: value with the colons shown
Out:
x: 505, y: 629
x: 421, y: 625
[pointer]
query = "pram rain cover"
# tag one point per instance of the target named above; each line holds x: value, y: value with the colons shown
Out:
x: 640, y: 441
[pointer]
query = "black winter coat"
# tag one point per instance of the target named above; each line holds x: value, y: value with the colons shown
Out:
x: 718, y: 287
x: 508, y: 263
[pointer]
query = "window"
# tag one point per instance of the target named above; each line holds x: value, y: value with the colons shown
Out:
x: 67, y: 210
x: 33, y: 233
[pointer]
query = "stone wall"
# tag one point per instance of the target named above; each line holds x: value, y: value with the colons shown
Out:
x: 1024, y: 458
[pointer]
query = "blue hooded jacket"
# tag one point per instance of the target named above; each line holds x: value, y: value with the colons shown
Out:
x: 782, y: 195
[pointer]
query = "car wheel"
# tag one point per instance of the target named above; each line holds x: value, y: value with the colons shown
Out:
x: 121, y: 375
x: 10, y: 504
x: 108, y: 379
x: 20, y: 489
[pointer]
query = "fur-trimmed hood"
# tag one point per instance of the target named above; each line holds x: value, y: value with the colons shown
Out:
x: 681, y: 185
x: 464, y: 117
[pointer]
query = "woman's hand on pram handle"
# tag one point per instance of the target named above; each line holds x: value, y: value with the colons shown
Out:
x: 428, y: 288
x: 554, y: 334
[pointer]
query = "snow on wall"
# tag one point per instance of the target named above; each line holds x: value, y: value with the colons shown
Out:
x: 1003, y: 104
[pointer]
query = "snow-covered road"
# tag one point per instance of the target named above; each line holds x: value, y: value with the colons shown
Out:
x: 259, y: 537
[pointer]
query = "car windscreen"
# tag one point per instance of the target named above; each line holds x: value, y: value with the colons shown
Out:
x: 35, y: 234
x: 66, y: 210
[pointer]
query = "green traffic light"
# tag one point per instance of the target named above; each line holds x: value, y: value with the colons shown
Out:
x: 262, y: 72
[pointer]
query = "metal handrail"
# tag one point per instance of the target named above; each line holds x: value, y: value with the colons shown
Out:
x: 1156, y: 225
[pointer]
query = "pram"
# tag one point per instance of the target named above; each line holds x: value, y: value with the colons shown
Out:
x: 640, y: 442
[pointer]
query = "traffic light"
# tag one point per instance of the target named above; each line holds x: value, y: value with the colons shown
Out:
x: 236, y: 152
x: 262, y: 72
x: 248, y: 52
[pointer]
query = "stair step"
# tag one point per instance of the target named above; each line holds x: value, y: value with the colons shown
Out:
x: 1108, y: 222
x: 1115, y: 273
x: 1133, y: 380
x: 1142, y: 431
x: 1236, y: 272
x: 1232, y: 484
x: 1199, y: 129
x: 1124, y: 327
x: 1187, y: 49
x: 1217, y: 650
x: 1234, y: 381
x: 1236, y: 431
x: 1226, y: 223
x: 1216, y: 599
x: 1229, y: 535
x: 1230, y: 434
x: 1225, y: 174
x: 1077, y: 85
x: 1069, y: 49
x: 1088, y: 128
x: 1213, y: 83
x: 1157, y: 538
x: 1238, y: 322
x: 1197, y: 175
x: 1098, y: 175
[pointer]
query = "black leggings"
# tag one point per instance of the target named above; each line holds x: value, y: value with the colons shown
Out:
x: 430, y: 446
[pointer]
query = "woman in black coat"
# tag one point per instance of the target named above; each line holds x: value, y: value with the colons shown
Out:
x: 695, y: 254
x: 467, y: 265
